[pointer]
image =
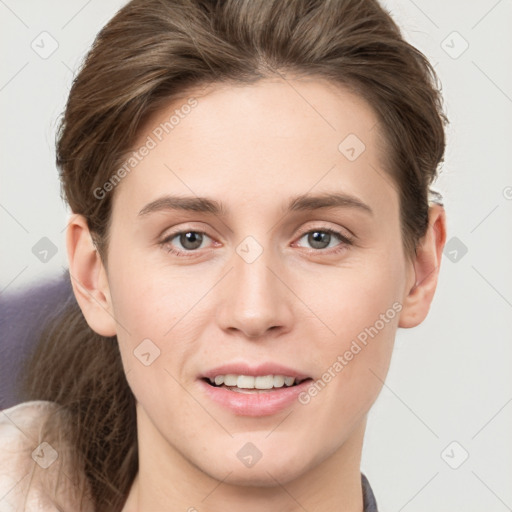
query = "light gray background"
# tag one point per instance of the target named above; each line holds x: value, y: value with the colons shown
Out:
x: 450, y: 377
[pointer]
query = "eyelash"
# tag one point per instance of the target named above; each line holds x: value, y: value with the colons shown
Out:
x: 345, y: 241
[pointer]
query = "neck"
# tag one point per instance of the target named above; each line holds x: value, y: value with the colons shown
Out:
x: 174, y: 483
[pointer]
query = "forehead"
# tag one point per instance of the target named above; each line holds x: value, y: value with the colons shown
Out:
x: 254, y: 142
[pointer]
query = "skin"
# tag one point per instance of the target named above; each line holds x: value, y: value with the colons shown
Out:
x: 298, y: 304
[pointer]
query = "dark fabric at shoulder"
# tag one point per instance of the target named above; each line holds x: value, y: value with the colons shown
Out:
x: 369, y: 502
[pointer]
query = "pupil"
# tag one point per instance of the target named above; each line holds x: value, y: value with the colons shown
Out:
x: 314, y: 236
x: 191, y: 237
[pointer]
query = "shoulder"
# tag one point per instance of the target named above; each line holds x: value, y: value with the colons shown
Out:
x: 33, y: 472
x: 25, y: 414
x: 19, y: 429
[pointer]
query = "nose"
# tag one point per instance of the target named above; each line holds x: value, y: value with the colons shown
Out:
x: 255, y: 299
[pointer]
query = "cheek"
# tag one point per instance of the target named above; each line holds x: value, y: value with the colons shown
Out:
x: 359, y: 309
x: 148, y: 300
x: 349, y: 301
x: 159, y: 321
x: 152, y: 341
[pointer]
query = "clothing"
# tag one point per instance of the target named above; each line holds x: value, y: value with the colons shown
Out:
x: 29, y: 467
x: 33, y: 473
x: 369, y: 502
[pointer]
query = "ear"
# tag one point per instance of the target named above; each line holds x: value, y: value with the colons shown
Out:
x: 427, y: 262
x: 89, y: 277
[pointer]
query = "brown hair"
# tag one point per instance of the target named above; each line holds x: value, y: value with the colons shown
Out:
x: 151, y: 53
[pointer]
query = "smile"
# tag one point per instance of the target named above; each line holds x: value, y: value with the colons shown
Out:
x: 250, y: 382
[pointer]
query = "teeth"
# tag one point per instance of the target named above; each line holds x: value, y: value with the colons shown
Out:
x: 289, y: 381
x: 230, y: 380
x: 245, y: 382
x: 279, y: 381
x: 250, y: 382
x: 266, y: 382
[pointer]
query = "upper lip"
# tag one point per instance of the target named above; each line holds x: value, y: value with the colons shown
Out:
x: 255, y: 370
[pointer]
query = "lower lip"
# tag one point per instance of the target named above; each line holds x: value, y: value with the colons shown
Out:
x: 255, y: 404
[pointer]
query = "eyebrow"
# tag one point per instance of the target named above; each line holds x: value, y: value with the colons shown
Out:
x: 304, y: 202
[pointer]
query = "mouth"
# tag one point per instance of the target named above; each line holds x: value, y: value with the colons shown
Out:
x: 246, y: 389
x: 254, y: 384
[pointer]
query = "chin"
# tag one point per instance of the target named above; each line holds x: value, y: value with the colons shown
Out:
x: 262, y: 474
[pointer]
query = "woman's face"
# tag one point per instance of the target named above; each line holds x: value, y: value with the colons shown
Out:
x: 258, y: 235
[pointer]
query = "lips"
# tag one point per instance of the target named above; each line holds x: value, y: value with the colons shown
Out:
x: 253, y: 390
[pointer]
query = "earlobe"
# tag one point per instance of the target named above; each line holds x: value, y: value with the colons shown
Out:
x: 418, y: 298
x: 89, y: 277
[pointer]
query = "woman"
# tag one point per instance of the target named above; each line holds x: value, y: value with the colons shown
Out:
x: 251, y: 225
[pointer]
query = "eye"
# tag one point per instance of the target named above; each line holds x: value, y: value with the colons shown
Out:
x: 190, y: 241
x: 321, y: 239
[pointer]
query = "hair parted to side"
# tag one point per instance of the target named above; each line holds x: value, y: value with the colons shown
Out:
x: 155, y: 51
